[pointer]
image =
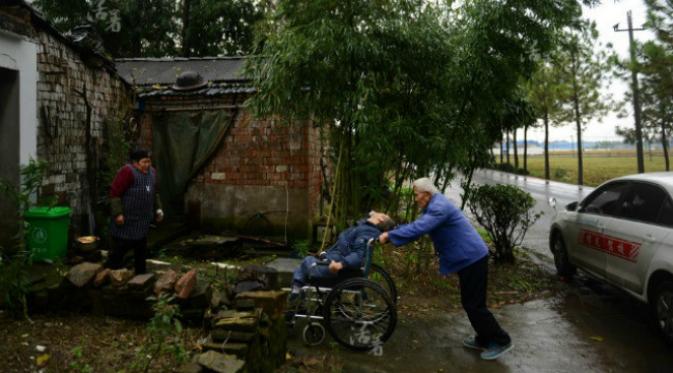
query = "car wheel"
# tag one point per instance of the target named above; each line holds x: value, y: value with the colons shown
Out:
x: 663, y: 309
x: 563, y: 266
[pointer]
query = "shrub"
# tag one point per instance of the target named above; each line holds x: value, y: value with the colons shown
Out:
x: 164, y: 336
x: 561, y: 174
x: 15, y: 259
x: 506, y: 212
x: 522, y: 171
x: 506, y: 167
x: 14, y: 283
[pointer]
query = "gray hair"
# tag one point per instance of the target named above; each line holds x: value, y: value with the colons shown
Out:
x: 386, y: 225
x: 424, y: 184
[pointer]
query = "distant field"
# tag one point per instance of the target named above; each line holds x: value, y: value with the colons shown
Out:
x: 599, y: 166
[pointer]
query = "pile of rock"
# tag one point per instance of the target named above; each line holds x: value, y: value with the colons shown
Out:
x: 251, y: 337
x: 90, y: 287
x: 245, y: 321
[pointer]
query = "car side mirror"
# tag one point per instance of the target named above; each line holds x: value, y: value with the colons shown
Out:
x: 552, y: 202
x: 572, y: 206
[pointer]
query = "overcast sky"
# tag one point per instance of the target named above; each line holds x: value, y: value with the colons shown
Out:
x: 606, y: 16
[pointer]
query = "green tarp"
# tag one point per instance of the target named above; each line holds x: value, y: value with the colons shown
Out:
x: 182, y: 143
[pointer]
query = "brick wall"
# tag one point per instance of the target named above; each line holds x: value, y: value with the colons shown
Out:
x: 74, y: 100
x: 261, y: 152
x: 263, y: 168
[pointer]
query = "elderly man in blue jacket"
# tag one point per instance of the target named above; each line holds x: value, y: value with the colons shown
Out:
x: 461, y: 250
x: 349, y: 251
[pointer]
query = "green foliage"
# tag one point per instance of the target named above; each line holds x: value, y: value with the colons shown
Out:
x: 76, y: 361
x: 560, y: 174
x: 547, y: 91
x: 28, y: 192
x: 508, y: 167
x: 15, y: 261
x: 221, y: 27
x: 117, y: 148
x: 164, y: 336
x: 405, y: 88
x: 154, y: 28
x: 583, y: 66
x: 660, y: 18
x: 656, y: 84
x: 302, y: 248
x: 506, y: 212
x: 14, y: 283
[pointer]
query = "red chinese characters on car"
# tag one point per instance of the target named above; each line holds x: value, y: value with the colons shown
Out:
x: 614, y: 246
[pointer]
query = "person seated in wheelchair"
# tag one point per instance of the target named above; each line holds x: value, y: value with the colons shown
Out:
x: 348, y: 254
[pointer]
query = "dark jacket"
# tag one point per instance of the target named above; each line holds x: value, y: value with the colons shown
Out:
x: 456, y: 241
x: 351, y: 246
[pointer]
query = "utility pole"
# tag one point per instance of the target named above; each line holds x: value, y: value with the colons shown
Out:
x: 635, y: 89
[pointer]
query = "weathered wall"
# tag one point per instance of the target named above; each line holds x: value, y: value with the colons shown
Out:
x: 65, y: 95
x: 74, y: 101
x: 264, y: 178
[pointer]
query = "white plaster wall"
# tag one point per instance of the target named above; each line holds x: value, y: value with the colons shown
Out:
x: 17, y: 53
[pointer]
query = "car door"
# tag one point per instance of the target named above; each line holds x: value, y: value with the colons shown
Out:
x: 635, y: 235
x: 585, y: 246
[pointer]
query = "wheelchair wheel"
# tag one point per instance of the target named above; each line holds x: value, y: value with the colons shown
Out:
x: 381, y: 277
x: 313, y: 334
x: 359, y: 314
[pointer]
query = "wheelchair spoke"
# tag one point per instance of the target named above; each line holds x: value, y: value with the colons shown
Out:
x: 360, y: 314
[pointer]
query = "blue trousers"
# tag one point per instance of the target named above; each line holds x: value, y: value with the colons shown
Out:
x: 308, y: 270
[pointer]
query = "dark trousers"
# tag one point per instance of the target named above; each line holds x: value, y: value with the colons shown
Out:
x: 473, y: 280
x: 121, y: 246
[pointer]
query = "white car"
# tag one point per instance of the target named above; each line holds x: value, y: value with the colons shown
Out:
x: 622, y: 233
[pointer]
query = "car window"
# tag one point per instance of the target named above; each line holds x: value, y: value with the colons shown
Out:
x: 666, y: 213
x: 643, y: 203
x: 605, y: 201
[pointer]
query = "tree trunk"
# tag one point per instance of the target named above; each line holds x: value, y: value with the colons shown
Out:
x: 580, y: 165
x: 516, y: 149
x: 186, y: 10
x: 546, y: 145
x: 502, y: 147
x: 507, y: 146
x: 578, y: 122
x: 467, y: 186
x: 525, y: 148
x: 664, y: 143
x: 649, y: 149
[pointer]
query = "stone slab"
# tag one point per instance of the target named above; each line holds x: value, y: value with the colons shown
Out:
x: 145, y: 280
x: 81, y: 274
x: 285, y: 268
x: 221, y: 363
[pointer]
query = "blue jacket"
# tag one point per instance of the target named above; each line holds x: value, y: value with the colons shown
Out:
x: 456, y: 241
x: 351, y: 246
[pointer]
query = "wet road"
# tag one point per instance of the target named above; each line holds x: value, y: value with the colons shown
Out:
x: 537, y: 238
x: 581, y: 330
x: 588, y: 327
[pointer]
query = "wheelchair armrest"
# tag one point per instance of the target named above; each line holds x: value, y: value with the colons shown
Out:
x: 321, y: 262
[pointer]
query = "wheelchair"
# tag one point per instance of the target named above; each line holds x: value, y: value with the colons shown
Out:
x: 357, y: 308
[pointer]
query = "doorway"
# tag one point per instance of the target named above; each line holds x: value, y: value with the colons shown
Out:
x: 9, y: 150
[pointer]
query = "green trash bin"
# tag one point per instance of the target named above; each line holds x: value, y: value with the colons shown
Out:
x: 47, y: 233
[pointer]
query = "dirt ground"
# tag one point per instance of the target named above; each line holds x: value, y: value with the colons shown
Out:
x: 85, y: 343
x: 77, y: 343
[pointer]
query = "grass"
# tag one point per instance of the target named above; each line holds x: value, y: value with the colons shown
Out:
x: 599, y: 166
